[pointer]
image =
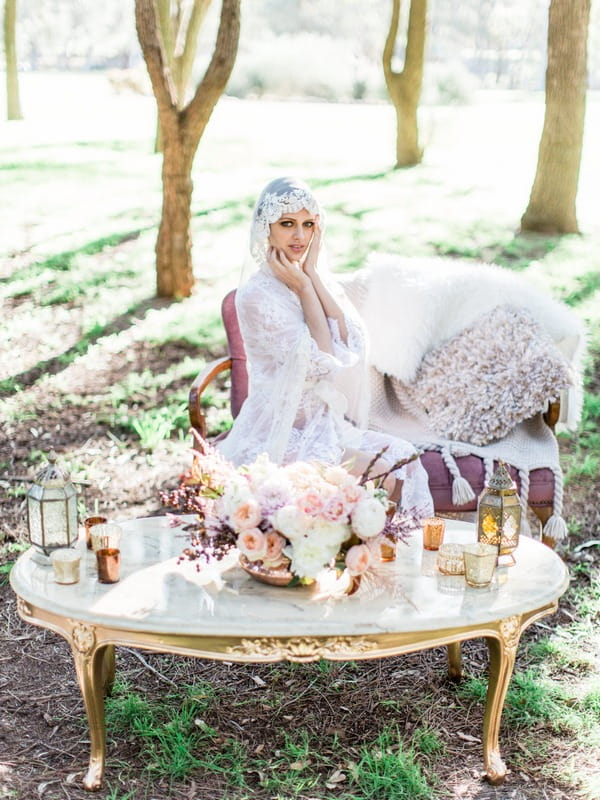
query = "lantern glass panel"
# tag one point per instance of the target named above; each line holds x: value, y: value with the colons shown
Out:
x: 34, y: 520
x: 55, y: 523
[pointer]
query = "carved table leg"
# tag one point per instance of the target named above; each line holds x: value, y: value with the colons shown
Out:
x: 502, y: 653
x: 454, y: 662
x: 91, y: 667
x: 109, y: 669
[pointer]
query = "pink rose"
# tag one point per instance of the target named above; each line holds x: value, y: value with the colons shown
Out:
x: 335, y: 508
x: 310, y: 503
x: 253, y: 544
x: 358, y: 559
x: 352, y: 493
x: 246, y: 515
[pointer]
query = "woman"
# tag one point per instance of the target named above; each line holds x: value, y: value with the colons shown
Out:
x: 305, y: 347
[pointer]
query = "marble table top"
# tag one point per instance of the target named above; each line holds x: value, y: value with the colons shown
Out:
x: 157, y: 594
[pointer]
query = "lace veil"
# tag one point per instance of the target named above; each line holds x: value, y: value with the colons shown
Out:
x: 281, y: 196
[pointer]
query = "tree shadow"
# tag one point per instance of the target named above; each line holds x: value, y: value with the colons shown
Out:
x: 59, y: 362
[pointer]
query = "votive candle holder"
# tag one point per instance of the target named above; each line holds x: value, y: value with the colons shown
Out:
x: 480, y: 563
x: 433, y: 532
x: 88, y: 524
x: 66, y: 563
x: 450, y: 559
x: 105, y: 535
x: 109, y: 561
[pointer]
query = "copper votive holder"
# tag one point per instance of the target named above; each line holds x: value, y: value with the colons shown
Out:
x: 433, y: 532
x: 387, y: 548
x: 89, y: 524
x: 65, y: 563
x: 480, y: 563
x: 109, y: 562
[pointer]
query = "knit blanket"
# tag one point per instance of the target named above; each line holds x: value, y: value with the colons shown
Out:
x: 416, y: 308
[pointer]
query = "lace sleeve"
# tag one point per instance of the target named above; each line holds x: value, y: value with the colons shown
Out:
x: 273, y: 327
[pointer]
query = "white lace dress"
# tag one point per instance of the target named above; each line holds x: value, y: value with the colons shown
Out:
x: 298, y: 396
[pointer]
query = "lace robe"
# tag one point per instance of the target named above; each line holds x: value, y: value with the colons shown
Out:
x: 298, y: 396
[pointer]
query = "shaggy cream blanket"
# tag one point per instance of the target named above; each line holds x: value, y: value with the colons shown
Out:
x: 411, y: 307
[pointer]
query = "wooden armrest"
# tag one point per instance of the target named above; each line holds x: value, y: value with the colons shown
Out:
x: 208, y: 374
x: 552, y: 414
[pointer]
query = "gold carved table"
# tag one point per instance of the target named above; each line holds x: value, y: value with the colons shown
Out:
x: 164, y: 606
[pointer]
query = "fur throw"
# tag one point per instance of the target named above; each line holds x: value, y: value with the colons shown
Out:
x: 495, y: 373
x: 411, y: 306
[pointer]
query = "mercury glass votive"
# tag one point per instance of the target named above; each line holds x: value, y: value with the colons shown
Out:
x: 480, y: 563
x: 65, y: 563
x: 105, y: 535
x: 450, y: 559
x: 109, y: 562
x: 433, y: 532
x: 88, y: 524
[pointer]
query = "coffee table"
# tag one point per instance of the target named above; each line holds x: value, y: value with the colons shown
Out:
x: 164, y: 606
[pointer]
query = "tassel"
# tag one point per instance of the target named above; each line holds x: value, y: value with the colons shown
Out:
x: 462, y: 492
x: 555, y: 529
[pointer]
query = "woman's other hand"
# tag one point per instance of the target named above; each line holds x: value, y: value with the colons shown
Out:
x: 309, y: 265
x: 288, y: 272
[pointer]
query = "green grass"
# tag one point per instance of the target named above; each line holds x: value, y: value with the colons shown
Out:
x: 177, y: 740
x: 531, y: 700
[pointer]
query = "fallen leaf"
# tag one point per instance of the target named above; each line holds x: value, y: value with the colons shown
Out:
x: 337, y: 777
x: 298, y: 765
x: 258, y: 680
x: 259, y: 749
x: 72, y: 777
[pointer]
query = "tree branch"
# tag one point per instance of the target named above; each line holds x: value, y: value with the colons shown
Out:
x: 147, y: 25
x: 388, y: 50
x: 197, y: 113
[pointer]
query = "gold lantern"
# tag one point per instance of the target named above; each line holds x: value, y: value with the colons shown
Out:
x: 499, y: 515
x: 52, y: 509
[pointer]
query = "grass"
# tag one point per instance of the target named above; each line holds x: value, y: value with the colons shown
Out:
x: 176, y: 741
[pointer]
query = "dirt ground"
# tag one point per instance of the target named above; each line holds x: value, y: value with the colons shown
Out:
x: 43, y: 736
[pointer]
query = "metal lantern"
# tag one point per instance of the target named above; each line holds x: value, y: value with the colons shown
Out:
x: 52, y: 509
x: 499, y: 514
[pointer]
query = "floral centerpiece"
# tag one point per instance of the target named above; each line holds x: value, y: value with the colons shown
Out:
x: 294, y: 520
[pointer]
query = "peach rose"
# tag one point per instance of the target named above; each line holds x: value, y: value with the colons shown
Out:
x: 253, y: 544
x: 275, y: 545
x: 247, y: 515
x: 358, y: 559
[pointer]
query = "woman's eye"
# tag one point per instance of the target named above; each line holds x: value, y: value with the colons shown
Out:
x: 286, y: 223
x: 309, y: 224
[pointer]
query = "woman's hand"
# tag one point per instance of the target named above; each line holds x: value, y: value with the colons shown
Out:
x: 288, y: 272
x: 309, y: 265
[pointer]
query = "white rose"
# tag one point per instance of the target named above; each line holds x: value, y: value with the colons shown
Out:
x: 368, y: 517
x: 289, y: 521
x: 309, y: 556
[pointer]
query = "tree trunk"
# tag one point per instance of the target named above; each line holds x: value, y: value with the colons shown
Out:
x: 552, y: 204
x: 175, y: 277
x: 405, y: 87
x: 182, y: 129
x: 13, y: 102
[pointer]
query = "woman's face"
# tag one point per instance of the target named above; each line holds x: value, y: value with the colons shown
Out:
x: 292, y: 233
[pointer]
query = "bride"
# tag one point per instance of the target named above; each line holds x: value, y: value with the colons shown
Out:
x: 308, y: 394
